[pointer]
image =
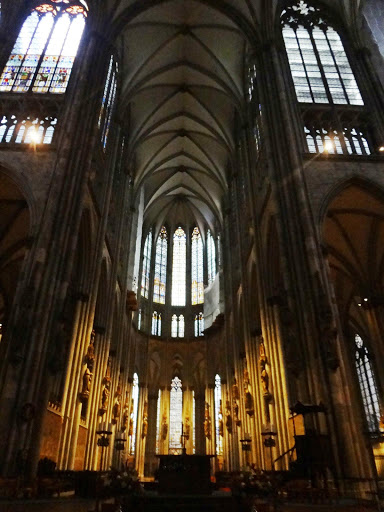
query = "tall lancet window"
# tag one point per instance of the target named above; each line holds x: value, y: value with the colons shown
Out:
x: 146, y: 265
x: 319, y: 65
x: 45, y: 50
x: 211, y: 257
x: 197, y: 274
x: 156, y: 324
x: 367, y: 384
x: 160, y: 280
x: 175, y: 416
x: 135, y: 407
x: 158, y: 423
x: 179, y: 267
x: 199, y: 325
x: 108, y: 101
x: 218, y: 416
x: 177, y: 326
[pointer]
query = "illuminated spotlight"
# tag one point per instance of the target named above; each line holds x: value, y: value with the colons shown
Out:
x: 359, y: 305
x: 34, y: 136
x: 365, y: 299
x: 381, y: 148
x: 328, y: 147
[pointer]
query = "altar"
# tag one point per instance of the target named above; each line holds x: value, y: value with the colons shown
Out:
x: 184, y: 474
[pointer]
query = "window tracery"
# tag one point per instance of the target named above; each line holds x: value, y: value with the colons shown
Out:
x: 146, y: 265
x: 199, y: 325
x: 320, y: 68
x: 175, y: 416
x: 160, y: 279
x: 197, y: 288
x: 156, y: 324
x: 177, y: 326
x: 348, y: 142
x: 211, y: 257
x: 29, y: 130
x: 45, y: 50
x: 367, y: 383
x: 179, y: 267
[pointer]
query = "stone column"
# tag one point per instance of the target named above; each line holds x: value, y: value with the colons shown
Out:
x: 150, y: 464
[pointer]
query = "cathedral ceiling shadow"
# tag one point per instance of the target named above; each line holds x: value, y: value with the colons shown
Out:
x: 14, y: 230
x: 354, y: 236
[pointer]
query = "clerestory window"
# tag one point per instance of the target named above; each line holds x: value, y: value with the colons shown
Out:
x: 179, y: 267
x: 160, y: 279
x: 320, y: 68
x: 197, y: 285
x: 108, y: 101
x: 45, y: 50
x: 211, y: 257
x: 146, y: 265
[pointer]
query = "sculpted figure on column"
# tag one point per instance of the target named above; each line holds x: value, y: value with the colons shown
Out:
x: 164, y: 427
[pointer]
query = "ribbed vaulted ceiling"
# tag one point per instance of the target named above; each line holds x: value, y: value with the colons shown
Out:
x: 182, y: 71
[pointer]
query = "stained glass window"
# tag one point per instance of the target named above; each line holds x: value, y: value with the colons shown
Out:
x: 179, y: 267
x: 135, y: 403
x: 319, y: 65
x: 108, y: 101
x: 197, y: 288
x: 199, y: 325
x: 158, y: 422
x: 218, y: 416
x: 211, y: 257
x: 146, y: 265
x: 159, y: 283
x: 367, y: 384
x: 45, y: 50
x: 175, y: 416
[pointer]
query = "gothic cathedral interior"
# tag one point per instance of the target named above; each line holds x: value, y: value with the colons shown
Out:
x: 192, y: 234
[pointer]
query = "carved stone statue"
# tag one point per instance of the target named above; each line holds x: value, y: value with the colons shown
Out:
x: 90, y: 355
x: 187, y: 428
x: 86, y: 386
x: 144, y: 430
x: 235, y: 390
x: 236, y: 413
x: 207, y: 422
x: 249, y: 407
x: 228, y: 416
x: 246, y: 380
x: 221, y: 423
x: 130, y: 430
x: 264, y: 377
x: 104, y: 398
x: 164, y: 427
x: 125, y: 419
x: 116, y: 410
